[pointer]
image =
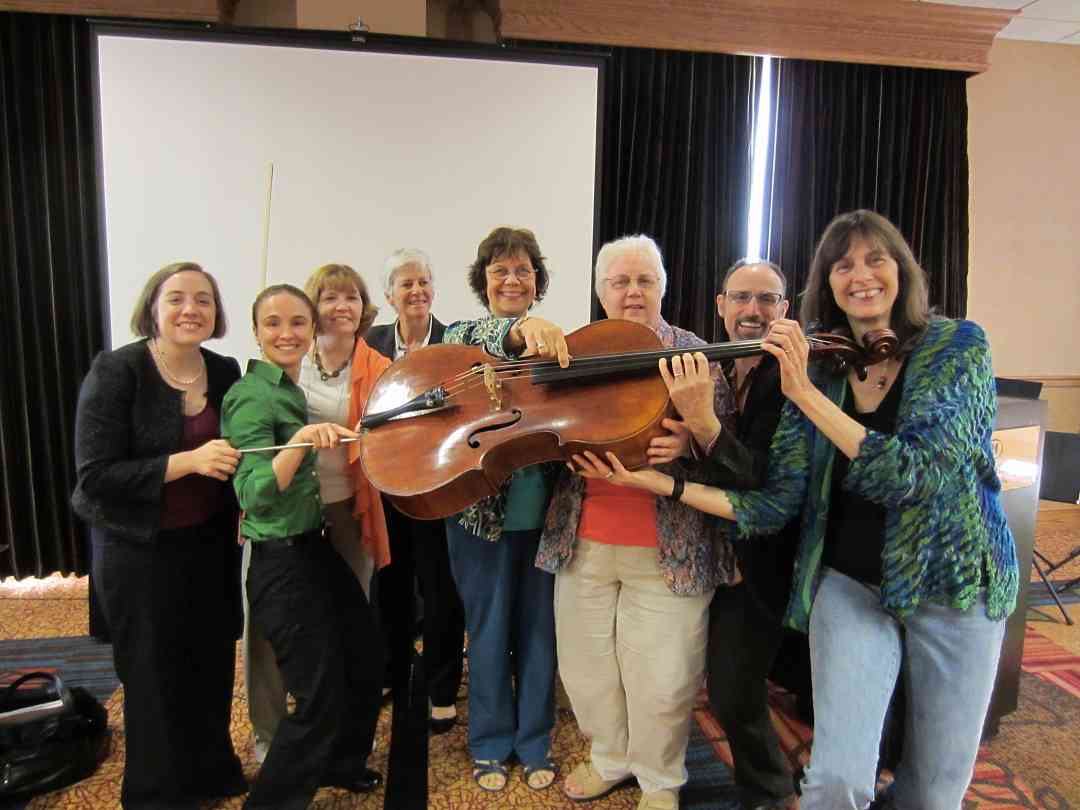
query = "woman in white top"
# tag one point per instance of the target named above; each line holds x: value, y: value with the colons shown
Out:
x: 327, y: 375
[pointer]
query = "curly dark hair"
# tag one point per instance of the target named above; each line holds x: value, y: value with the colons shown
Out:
x: 502, y: 243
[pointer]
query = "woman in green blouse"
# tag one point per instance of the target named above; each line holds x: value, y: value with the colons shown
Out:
x: 309, y: 606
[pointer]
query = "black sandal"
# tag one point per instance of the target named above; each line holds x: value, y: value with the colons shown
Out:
x: 490, y: 767
x: 545, y: 767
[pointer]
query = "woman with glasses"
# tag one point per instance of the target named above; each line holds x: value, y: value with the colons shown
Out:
x: 492, y: 545
x: 906, y: 565
x: 634, y: 577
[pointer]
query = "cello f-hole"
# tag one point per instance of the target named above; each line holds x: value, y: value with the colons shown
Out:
x: 512, y: 419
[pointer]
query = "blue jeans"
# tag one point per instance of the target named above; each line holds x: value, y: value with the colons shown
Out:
x: 509, y: 615
x: 950, y: 661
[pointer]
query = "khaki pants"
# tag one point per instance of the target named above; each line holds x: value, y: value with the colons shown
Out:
x: 265, y: 688
x: 632, y: 659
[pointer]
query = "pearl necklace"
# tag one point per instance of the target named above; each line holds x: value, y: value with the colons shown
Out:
x: 168, y: 371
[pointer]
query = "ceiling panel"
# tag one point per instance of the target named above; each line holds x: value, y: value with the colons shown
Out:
x: 1040, y: 30
x: 1054, y: 10
x: 1010, y: 4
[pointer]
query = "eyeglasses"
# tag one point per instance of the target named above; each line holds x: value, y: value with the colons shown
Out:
x: 764, y: 299
x: 503, y: 273
x: 644, y: 283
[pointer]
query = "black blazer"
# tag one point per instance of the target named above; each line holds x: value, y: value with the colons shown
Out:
x: 128, y: 422
x: 381, y: 338
x: 740, y: 460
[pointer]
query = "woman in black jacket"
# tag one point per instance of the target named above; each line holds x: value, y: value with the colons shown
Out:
x: 152, y: 484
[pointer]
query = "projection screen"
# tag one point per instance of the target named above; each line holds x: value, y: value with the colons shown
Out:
x: 370, y: 148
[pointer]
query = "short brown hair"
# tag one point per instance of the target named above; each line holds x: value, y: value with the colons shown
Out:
x: 144, y: 316
x: 910, y: 313
x: 339, y: 277
x: 504, y: 243
x: 288, y: 289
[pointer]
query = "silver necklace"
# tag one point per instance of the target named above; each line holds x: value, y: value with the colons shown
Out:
x: 168, y: 371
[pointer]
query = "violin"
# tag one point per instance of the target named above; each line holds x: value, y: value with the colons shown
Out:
x: 447, y: 424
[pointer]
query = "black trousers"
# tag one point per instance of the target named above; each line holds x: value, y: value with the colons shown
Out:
x: 744, y: 636
x: 309, y: 605
x: 418, y: 553
x: 169, y: 605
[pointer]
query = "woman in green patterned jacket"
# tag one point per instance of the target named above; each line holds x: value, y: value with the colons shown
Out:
x: 906, y: 563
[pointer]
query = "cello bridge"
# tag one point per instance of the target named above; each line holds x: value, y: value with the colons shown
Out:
x: 494, y: 388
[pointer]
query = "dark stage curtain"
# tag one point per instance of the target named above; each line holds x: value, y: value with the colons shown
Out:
x: 678, y: 131
x: 51, y: 309
x: 676, y: 142
x: 890, y: 139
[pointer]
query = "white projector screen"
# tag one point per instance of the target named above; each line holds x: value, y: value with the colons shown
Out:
x: 370, y: 151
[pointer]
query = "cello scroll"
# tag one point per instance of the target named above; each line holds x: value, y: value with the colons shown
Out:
x: 844, y: 353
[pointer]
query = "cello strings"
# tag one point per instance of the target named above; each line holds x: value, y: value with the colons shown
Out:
x: 585, y: 366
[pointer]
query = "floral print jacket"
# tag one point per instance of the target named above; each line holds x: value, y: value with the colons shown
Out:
x: 694, y: 549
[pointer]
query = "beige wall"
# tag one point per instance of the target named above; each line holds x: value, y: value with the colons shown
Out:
x: 1024, y: 287
x: 1024, y: 141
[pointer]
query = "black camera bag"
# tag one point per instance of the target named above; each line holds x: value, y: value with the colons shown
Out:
x: 51, y: 736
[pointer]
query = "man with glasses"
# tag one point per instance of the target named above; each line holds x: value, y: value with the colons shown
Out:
x: 745, y: 619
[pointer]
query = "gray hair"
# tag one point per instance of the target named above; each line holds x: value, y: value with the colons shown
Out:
x: 400, y: 258
x: 637, y: 245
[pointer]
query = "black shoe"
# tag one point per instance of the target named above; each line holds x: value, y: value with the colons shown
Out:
x: 441, y: 725
x: 233, y: 785
x: 366, y: 782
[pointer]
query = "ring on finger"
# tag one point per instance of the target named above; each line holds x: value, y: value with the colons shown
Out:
x: 610, y: 474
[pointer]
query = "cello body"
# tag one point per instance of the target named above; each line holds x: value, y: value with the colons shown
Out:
x: 434, y: 463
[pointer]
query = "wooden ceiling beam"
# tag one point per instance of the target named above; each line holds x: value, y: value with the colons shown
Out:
x: 201, y: 10
x: 883, y: 32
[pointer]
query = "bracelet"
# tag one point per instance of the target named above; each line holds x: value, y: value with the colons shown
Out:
x: 677, y: 489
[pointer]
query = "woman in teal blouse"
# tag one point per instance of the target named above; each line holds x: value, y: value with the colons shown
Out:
x: 905, y: 555
x: 508, y: 601
x: 309, y: 606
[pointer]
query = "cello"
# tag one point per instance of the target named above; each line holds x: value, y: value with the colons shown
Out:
x: 446, y: 425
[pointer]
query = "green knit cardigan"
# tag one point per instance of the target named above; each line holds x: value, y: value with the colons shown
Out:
x: 944, y: 523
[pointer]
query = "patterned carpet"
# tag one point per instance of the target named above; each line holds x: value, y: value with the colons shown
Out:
x: 1032, y: 763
